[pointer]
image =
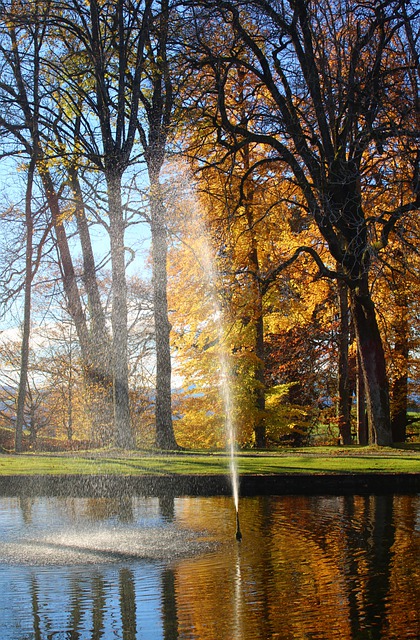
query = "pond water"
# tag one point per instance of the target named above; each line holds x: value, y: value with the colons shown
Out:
x: 315, y: 567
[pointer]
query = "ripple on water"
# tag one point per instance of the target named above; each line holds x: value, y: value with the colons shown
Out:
x: 104, y: 546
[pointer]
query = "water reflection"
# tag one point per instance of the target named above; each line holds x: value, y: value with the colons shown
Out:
x: 307, y: 567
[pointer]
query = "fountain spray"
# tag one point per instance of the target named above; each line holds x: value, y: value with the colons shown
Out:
x: 225, y: 387
x: 208, y: 262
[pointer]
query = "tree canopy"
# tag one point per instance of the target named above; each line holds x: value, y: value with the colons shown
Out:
x: 273, y: 150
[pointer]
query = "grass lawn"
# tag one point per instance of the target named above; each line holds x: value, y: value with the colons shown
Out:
x: 404, y: 459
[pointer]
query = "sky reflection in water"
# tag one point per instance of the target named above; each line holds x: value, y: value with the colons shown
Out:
x: 307, y: 567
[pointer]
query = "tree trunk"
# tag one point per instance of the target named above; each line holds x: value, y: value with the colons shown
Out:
x: 68, y: 274
x: 97, y: 370
x: 362, y: 426
x: 372, y: 361
x: 123, y: 436
x: 23, y: 376
x: 165, y: 437
x: 260, y: 429
x: 92, y: 349
x: 96, y: 312
x: 399, y: 387
x: 260, y: 426
x: 343, y: 405
x: 399, y: 408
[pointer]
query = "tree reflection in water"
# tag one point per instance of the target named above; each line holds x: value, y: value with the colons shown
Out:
x: 308, y: 567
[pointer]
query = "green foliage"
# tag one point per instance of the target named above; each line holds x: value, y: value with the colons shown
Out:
x: 286, y: 422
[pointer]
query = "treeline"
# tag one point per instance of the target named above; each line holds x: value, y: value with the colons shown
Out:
x: 272, y: 151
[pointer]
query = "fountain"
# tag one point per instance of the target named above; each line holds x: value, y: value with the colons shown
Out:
x: 238, y: 534
x: 228, y: 410
x: 138, y: 565
x: 210, y: 271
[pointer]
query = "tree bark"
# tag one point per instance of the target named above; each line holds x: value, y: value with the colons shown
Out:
x: 68, y: 273
x: 399, y: 387
x: 98, y: 328
x: 159, y: 111
x: 260, y: 426
x: 123, y: 436
x: 23, y: 376
x: 372, y: 361
x: 362, y: 426
x: 260, y: 430
x: 98, y: 369
x: 343, y: 404
x: 165, y: 438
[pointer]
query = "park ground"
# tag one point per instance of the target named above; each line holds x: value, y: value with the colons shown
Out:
x: 306, y: 460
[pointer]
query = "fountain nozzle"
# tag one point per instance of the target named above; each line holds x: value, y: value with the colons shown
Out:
x: 238, y: 529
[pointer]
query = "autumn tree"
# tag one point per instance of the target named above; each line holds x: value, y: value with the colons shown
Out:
x: 214, y: 305
x: 253, y: 223
x: 396, y: 290
x: 331, y: 103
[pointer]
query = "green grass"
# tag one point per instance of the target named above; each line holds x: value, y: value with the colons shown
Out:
x: 306, y: 460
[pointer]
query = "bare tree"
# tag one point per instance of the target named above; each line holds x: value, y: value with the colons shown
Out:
x: 158, y: 110
x: 30, y: 126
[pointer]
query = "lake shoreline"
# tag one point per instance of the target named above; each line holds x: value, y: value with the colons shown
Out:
x: 176, y: 485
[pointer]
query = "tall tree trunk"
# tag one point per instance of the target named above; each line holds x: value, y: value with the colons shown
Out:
x: 96, y: 311
x: 68, y: 273
x: 258, y: 346
x: 372, y: 360
x: 399, y: 387
x: 165, y: 437
x: 123, y: 436
x: 24, y: 351
x: 93, y: 345
x: 260, y: 426
x: 343, y: 404
x: 362, y: 426
x: 260, y: 430
x: 69, y: 425
x: 97, y: 371
x: 158, y: 114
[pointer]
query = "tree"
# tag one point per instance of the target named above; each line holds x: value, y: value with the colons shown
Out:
x: 397, y: 283
x: 114, y: 39
x: 123, y: 82
x: 26, y: 96
x: 331, y: 102
x: 212, y: 281
x: 157, y: 100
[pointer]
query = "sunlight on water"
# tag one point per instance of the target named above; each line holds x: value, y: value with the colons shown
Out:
x: 105, y: 545
x: 336, y: 567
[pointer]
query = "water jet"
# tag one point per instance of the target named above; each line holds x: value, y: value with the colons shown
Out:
x: 209, y: 265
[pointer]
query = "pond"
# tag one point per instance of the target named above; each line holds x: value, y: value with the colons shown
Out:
x: 315, y: 567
